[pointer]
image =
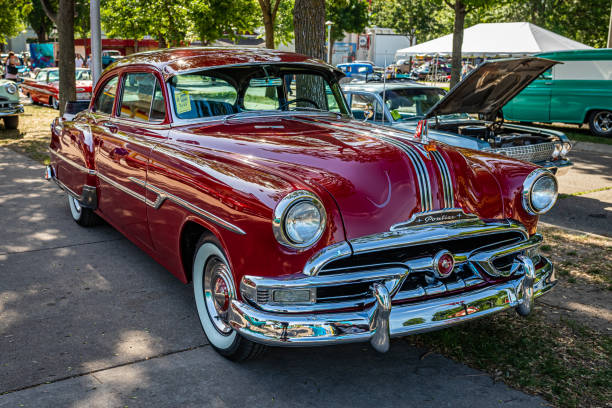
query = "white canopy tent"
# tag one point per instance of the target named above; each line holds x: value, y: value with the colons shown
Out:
x: 496, y: 39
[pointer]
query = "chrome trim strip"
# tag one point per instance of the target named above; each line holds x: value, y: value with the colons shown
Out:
x: 428, y: 234
x: 326, y: 255
x: 444, y: 216
x: 163, y: 195
x: 447, y: 183
x: 120, y: 187
x: 84, y: 169
x: 420, y: 168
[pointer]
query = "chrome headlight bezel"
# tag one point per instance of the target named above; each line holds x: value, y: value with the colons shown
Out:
x: 10, y: 88
x: 528, y: 185
x: 567, y: 146
x: 280, y: 218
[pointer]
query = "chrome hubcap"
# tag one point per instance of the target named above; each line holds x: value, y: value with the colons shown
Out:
x: 603, y: 122
x: 76, y: 204
x: 218, y: 294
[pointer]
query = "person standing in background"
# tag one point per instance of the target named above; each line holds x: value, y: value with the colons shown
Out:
x: 12, y: 62
x: 78, y: 61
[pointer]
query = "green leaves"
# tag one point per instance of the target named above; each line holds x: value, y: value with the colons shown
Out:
x: 12, y: 16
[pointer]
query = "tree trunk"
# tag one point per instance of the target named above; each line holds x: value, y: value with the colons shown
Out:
x: 309, y: 30
x: 64, y: 21
x: 41, y: 36
x: 610, y: 31
x: 269, y: 27
x: 460, y: 12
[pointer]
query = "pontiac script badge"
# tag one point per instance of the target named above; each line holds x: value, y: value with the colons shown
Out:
x: 446, y: 216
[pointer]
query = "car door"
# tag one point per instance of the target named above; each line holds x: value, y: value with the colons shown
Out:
x: 36, y: 91
x: 533, y: 103
x: 124, y: 142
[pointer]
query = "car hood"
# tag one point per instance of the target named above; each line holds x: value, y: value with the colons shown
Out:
x: 373, y: 173
x: 490, y: 86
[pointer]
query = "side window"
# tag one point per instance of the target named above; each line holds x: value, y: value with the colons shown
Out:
x: 158, y: 107
x: 106, y: 98
x: 547, y: 75
x: 137, y: 97
x: 42, y: 76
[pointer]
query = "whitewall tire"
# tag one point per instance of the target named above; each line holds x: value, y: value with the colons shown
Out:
x: 214, y: 289
x: 85, y: 217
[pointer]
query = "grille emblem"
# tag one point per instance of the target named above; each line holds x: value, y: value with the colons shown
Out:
x: 443, y: 263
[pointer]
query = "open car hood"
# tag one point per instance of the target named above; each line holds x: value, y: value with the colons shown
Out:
x: 490, y: 86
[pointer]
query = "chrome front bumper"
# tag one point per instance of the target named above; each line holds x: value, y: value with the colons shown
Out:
x: 11, y: 110
x: 383, y: 320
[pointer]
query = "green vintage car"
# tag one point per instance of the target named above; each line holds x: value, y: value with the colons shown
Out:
x: 577, y: 91
x: 10, y: 108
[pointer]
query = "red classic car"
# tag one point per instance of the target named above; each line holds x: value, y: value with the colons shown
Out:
x: 243, y: 172
x: 44, y: 88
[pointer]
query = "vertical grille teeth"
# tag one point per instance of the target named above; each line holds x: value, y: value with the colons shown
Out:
x: 447, y: 184
x: 262, y: 296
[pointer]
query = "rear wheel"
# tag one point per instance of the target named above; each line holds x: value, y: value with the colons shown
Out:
x: 600, y: 123
x: 213, y: 287
x: 11, y: 122
x: 85, y: 217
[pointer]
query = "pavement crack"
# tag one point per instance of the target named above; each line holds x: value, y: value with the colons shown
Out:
x: 60, y: 247
x: 92, y: 372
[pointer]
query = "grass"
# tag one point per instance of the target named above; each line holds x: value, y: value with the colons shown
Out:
x: 565, y: 362
x: 596, y: 190
x: 33, y: 135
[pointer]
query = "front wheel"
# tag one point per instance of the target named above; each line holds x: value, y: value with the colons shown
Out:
x: 213, y: 288
x: 600, y: 123
x: 11, y: 122
x: 54, y: 103
x: 85, y: 217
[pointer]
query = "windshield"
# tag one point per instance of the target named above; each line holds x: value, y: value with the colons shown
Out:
x: 408, y: 104
x: 230, y: 91
x: 80, y: 75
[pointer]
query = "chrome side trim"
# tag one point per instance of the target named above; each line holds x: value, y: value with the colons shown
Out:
x: 163, y: 195
x: 118, y: 186
x: 447, y: 181
x: 72, y: 163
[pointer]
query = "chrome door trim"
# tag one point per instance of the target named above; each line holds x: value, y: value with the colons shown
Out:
x: 163, y: 195
x: 76, y: 165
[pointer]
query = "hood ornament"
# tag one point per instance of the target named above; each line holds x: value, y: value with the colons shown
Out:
x: 422, y: 131
x: 445, y: 216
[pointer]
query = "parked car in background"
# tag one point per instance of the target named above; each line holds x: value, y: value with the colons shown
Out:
x: 577, y: 91
x: 241, y: 170
x: 361, y: 71
x: 44, y: 87
x: 483, y: 91
x: 10, y: 107
x: 110, y: 56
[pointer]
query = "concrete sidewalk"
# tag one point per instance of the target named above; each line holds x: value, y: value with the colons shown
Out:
x: 88, y: 320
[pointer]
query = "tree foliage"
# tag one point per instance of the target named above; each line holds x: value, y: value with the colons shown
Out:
x: 40, y: 23
x: 417, y: 19
x: 347, y: 16
x: 581, y: 20
x: 12, y: 16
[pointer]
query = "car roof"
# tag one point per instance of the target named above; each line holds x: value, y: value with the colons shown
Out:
x: 579, y: 55
x: 174, y: 60
x: 379, y: 86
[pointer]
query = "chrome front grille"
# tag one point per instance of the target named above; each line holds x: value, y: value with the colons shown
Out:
x: 402, y: 261
x: 532, y: 153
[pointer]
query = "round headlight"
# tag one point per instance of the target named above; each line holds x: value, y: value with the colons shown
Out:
x: 10, y: 88
x: 299, y: 219
x: 557, y: 151
x: 567, y: 146
x: 540, y: 191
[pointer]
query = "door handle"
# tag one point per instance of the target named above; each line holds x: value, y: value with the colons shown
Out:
x: 110, y: 126
x: 548, y: 83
